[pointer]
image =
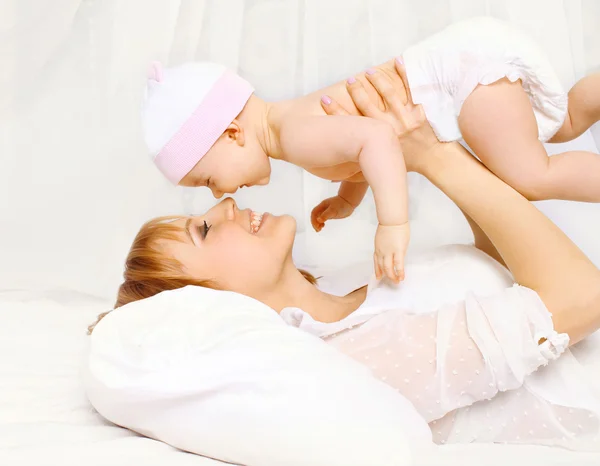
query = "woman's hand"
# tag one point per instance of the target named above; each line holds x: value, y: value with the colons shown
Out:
x: 409, y: 122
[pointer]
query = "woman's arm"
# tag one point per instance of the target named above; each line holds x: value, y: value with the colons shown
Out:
x: 539, y: 255
x: 482, y: 242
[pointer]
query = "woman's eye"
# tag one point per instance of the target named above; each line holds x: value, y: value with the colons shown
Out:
x: 203, y: 230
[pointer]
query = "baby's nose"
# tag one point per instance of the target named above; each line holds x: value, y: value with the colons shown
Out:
x: 217, y: 194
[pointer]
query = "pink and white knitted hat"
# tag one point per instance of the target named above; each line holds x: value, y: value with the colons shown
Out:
x: 186, y: 109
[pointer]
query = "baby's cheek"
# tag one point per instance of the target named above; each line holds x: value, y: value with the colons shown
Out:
x: 194, y: 176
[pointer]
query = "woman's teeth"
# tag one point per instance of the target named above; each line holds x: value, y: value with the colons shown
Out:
x: 255, y: 221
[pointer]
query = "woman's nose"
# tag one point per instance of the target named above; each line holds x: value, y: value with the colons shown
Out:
x: 229, y: 208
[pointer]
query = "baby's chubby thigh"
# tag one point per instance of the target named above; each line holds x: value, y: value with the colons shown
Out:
x: 498, y: 123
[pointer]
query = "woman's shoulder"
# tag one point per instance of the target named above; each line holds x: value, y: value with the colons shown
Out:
x: 435, y: 277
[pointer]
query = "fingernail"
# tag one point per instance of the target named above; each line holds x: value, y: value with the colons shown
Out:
x: 351, y: 80
x: 326, y: 100
x: 400, y: 61
x: 371, y: 71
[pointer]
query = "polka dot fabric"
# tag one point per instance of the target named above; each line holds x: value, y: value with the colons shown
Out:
x: 476, y: 372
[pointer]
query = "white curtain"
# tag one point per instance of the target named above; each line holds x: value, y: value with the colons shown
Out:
x: 75, y: 180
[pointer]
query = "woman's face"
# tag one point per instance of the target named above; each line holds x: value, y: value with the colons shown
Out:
x: 238, y: 250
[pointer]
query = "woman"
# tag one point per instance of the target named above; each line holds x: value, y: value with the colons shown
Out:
x: 468, y: 367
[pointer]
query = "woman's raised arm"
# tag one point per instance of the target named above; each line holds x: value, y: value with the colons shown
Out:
x: 539, y: 255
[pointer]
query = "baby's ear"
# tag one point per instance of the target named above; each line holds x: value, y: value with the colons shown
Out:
x: 235, y: 132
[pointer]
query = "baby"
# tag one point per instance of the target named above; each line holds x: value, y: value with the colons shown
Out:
x: 479, y: 79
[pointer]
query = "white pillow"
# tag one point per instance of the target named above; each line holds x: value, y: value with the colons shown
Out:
x: 434, y: 277
x: 444, y: 275
x: 221, y: 375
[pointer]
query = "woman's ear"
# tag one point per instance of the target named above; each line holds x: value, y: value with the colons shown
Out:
x: 235, y: 132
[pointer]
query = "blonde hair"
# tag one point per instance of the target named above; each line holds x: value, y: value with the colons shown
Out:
x: 149, y: 271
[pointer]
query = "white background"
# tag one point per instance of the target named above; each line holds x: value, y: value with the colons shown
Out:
x: 76, y: 182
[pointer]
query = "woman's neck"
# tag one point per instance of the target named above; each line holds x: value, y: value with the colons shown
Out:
x: 295, y: 291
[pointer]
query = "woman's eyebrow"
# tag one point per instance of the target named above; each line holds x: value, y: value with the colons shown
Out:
x: 187, y: 230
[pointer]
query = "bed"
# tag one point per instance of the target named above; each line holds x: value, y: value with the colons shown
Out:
x: 45, y: 418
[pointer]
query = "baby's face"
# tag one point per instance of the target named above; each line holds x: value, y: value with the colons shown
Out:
x: 228, y: 166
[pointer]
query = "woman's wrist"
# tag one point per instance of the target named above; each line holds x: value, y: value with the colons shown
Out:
x: 438, y: 159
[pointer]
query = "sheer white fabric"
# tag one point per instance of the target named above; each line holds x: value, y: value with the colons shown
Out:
x: 468, y: 370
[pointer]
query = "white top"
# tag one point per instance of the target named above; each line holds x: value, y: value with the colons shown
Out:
x: 471, y: 367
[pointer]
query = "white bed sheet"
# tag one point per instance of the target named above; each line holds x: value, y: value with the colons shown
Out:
x: 45, y: 418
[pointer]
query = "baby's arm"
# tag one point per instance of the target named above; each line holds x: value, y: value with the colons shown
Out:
x: 319, y: 141
x: 349, y: 197
x: 312, y: 142
x: 354, y: 193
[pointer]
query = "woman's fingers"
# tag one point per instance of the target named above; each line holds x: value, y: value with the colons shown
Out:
x: 401, y: 70
x: 399, y: 114
x: 384, y: 87
x: 331, y: 106
x: 420, y: 114
x: 361, y: 98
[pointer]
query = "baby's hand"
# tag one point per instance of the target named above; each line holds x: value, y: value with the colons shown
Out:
x: 391, y: 242
x: 331, y: 208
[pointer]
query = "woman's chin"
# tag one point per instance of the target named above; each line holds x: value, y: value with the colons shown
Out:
x: 287, y: 230
x: 291, y: 223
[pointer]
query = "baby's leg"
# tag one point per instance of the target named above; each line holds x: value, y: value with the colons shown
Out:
x: 584, y: 109
x: 498, y: 123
